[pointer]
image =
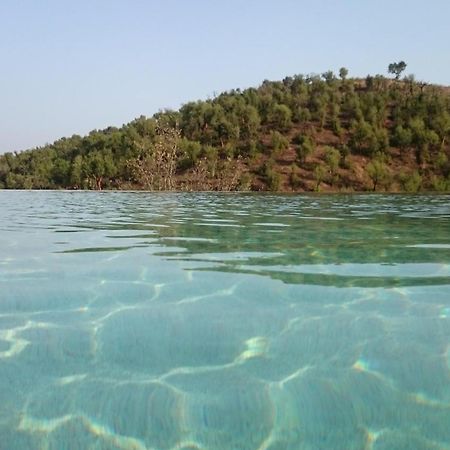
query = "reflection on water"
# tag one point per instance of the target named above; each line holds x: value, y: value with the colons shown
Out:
x: 215, y: 321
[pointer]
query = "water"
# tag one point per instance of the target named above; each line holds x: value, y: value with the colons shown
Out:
x: 208, y: 321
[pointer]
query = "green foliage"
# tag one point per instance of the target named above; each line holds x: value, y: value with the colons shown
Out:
x: 439, y: 183
x: 335, y: 119
x: 397, y: 68
x: 18, y: 181
x: 97, y: 166
x: 274, y: 181
x: 304, y: 147
x: 278, y: 142
x: 294, y: 178
x: 410, y: 182
x: 345, y: 152
x: 332, y: 158
x: 423, y: 139
x: 245, y: 182
x: 343, y: 72
x: 301, y: 114
x: 191, y: 151
x: 402, y: 137
x: 270, y: 175
x: 76, y: 172
x: 441, y: 161
x: 441, y: 125
x: 280, y: 117
x: 211, y: 155
x: 364, y: 139
x: 218, y: 141
x: 249, y: 122
x: 329, y: 77
x: 378, y: 172
x: 319, y: 175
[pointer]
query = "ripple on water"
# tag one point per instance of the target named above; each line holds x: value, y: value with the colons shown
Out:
x: 56, y: 350
x: 226, y: 409
x: 143, y: 414
x: 164, y: 338
x: 224, y: 322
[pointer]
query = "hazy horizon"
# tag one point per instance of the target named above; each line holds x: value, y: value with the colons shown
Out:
x: 70, y: 68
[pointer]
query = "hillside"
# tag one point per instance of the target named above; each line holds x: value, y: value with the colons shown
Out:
x: 304, y: 133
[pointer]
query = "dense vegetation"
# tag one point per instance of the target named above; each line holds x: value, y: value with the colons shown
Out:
x: 303, y: 133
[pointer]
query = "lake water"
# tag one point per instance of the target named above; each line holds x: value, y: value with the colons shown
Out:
x: 215, y: 321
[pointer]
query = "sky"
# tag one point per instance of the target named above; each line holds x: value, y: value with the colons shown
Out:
x: 68, y: 67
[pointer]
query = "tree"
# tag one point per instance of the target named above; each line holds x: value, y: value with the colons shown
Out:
x: 191, y: 151
x: 410, y: 182
x: 301, y: 114
x: 335, y: 120
x: 76, y: 172
x: 280, y: 117
x: 402, y: 137
x: 397, y: 68
x: 441, y: 125
x: 440, y: 183
x: 294, y: 179
x: 224, y: 138
x: 343, y: 72
x: 155, y: 167
x: 99, y: 165
x: 378, y: 173
x: 272, y: 177
x: 304, y: 147
x: 278, y: 141
x: 363, y: 138
x: 422, y: 138
x: 328, y: 76
x: 249, y: 122
x: 332, y: 158
x: 60, y: 172
x: 319, y: 174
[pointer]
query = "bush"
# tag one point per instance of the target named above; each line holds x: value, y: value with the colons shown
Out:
x: 272, y: 178
x: 410, y: 182
x: 319, y: 174
x: 378, y: 173
x: 440, y: 184
x: 402, y: 137
x: 332, y: 158
x: 278, y: 141
x: 280, y: 117
x: 294, y: 179
x: 301, y: 114
x: 245, y: 183
x: 304, y: 147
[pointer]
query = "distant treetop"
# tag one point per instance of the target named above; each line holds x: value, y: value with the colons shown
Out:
x: 397, y: 68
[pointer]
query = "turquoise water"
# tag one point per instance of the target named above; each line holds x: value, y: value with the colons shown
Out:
x: 208, y: 321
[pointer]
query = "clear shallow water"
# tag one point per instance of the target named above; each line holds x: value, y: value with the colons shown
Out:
x: 203, y: 321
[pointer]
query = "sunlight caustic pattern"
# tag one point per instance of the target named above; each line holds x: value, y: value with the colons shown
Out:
x: 145, y: 321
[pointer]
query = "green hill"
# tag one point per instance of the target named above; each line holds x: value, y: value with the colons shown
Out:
x: 304, y: 133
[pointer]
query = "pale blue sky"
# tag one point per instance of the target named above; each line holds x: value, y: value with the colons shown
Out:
x: 71, y: 66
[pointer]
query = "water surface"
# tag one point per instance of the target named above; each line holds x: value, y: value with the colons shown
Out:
x: 214, y: 321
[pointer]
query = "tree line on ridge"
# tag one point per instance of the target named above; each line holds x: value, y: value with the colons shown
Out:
x: 305, y: 133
